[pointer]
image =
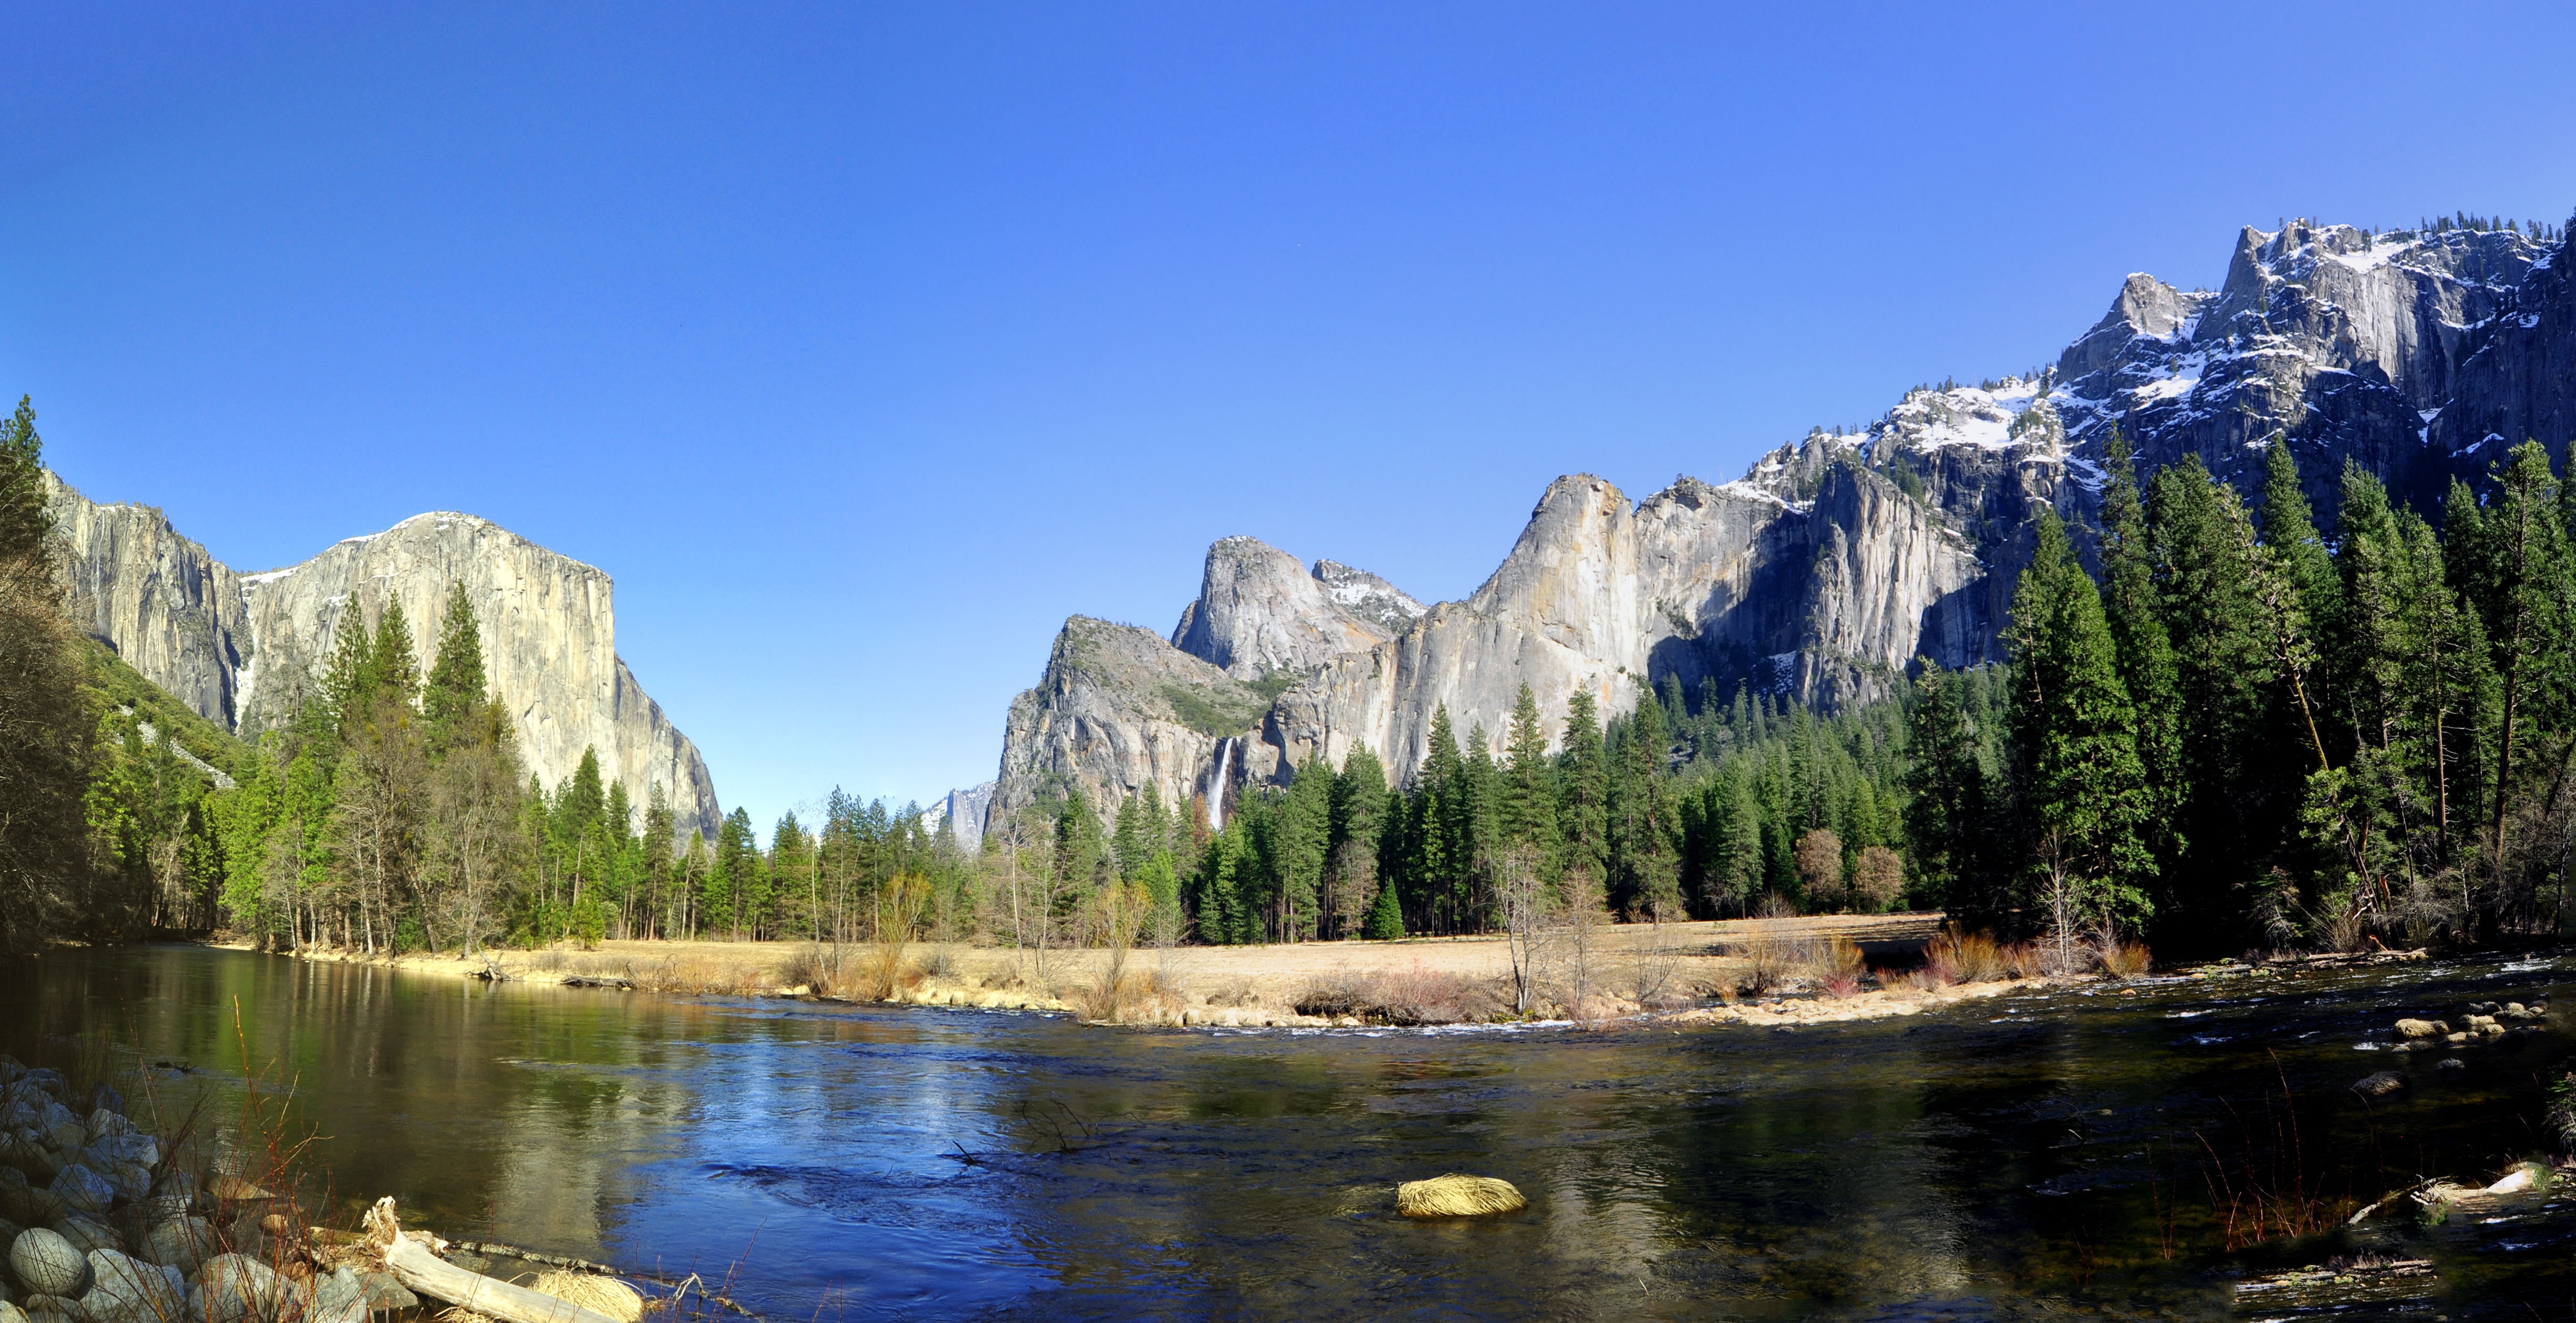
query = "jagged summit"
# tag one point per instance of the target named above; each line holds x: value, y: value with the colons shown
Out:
x: 1838, y: 559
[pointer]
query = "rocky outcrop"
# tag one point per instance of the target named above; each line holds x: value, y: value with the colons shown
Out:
x: 1260, y: 612
x: 962, y: 812
x: 1369, y: 597
x: 171, y: 611
x: 2342, y: 341
x: 1837, y: 561
x: 245, y: 649
x: 1118, y: 710
x: 2518, y: 378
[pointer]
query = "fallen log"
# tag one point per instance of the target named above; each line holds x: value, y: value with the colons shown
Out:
x: 425, y: 1273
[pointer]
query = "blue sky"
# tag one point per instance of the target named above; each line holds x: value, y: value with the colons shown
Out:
x: 862, y: 344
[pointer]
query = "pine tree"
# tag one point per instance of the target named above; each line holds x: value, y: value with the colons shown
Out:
x: 23, y: 521
x: 1945, y: 816
x: 1305, y: 840
x: 1528, y: 809
x: 2082, y: 789
x: 456, y: 690
x: 1643, y: 873
x: 1583, y: 789
x: 395, y: 665
x: 2511, y: 559
x: 2136, y: 617
x: 2300, y: 594
x: 2233, y: 816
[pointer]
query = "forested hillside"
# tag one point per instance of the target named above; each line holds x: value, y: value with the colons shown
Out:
x: 2217, y: 726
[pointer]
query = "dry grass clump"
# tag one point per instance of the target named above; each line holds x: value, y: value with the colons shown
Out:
x: 599, y: 1295
x: 813, y: 966
x: 693, y: 975
x: 2124, y: 959
x: 2025, y: 960
x: 1233, y: 992
x: 1407, y: 997
x: 1836, y: 965
x: 1458, y: 1196
x: 1958, y: 956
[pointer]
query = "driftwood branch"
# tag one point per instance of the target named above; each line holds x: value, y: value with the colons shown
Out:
x: 414, y: 1266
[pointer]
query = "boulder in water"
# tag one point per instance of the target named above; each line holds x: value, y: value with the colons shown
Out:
x: 233, y: 1189
x: 2380, y: 1085
x: 46, y: 1264
x: 2419, y: 1028
x: 2524, y: 1176
x: 599, y: 1295
x: 2450, y: 1063
x: 1458, y: 1196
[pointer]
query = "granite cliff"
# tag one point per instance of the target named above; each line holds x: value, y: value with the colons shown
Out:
x: 1837, y: 560
x: 242, y: 650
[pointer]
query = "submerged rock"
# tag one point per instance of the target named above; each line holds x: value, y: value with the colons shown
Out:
x: 2379, y: 1085
x: 2450, y: 1063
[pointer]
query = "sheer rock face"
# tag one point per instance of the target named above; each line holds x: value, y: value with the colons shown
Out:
x: 1118, y: 710
x: 174, y: 613
x: 244, y: 649
x: 962, y: 812
x: 1837, y: 560
x: 1259, y: 611
x: 2518, y: 378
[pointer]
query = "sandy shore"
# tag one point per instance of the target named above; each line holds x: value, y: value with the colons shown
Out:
x: 1671, y: 972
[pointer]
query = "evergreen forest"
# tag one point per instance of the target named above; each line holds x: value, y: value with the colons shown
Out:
x: 2218, y: 726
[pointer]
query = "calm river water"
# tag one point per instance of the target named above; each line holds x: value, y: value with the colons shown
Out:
x: 2015, y: 1157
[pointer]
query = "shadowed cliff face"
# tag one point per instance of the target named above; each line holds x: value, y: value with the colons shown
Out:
x: 1838, y: 560
x: 244, y: 649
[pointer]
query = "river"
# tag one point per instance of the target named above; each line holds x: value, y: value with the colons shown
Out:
x: 2014, y: 1157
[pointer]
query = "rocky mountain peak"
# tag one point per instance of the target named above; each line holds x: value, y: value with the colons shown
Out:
x: 1369, y: 597
x: 1259, y: 612
x: 1839, y: 559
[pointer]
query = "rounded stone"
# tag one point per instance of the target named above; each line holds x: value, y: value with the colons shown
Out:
x: 55, y: 1309
x: 85, y: 1235
x: 83, y: 1190
x: 46, y: 1264
x: 181, y: 1243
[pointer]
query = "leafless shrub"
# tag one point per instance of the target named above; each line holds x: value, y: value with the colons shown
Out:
x: 1654, y: 963
x: 1835, y: 964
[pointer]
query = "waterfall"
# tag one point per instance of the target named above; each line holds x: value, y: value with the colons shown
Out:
x: 1216, y: 784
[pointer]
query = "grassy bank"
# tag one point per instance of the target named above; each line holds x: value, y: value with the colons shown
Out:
x: 1833, y: 967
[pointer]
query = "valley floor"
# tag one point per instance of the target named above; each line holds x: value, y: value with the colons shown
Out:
x: 1674, y: 970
